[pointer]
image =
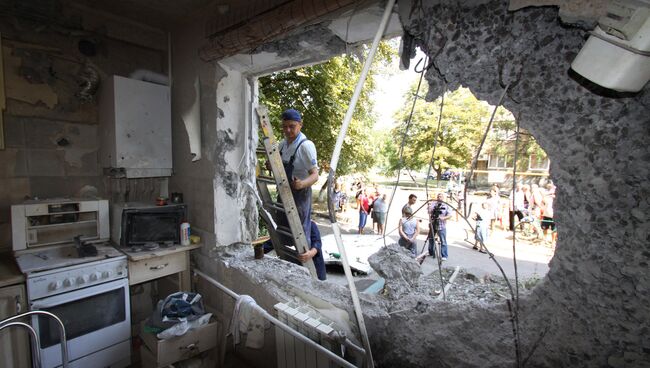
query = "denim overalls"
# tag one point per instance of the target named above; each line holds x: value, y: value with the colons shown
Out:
x: 302, y: 197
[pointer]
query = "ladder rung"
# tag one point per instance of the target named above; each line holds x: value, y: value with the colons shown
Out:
x: 266, y: 179
x: 274, y: 206
x: 260, y: 151
x: 283, y: 230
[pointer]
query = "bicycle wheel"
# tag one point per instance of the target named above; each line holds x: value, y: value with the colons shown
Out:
x: 525, y: 231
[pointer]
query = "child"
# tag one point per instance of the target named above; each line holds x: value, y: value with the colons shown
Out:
x: 483, y: 217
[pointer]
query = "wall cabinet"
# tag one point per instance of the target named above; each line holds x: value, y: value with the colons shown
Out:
x: 14, y: 341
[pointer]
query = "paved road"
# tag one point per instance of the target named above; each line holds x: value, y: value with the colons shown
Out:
x: 532, y: 259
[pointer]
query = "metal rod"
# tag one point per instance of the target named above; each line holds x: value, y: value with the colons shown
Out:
x: 451, y: 280
x: 64, y: 340
x: 362, y: 78
x: 36, y: 345
x: 279, y: 323
x: 334, y: 163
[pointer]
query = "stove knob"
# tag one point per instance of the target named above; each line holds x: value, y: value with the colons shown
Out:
x: 68, y: 282
x: 54, y: 285
x: 81, y: 279
x: 94, y: 276
x: 106, y: 274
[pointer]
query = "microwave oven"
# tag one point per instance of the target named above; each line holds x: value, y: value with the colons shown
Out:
x: 140, y: 223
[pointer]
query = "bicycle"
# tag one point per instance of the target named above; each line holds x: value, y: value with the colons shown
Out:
x: 529, y: 228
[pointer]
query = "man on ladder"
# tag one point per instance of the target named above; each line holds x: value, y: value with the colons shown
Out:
x: 300, y: 164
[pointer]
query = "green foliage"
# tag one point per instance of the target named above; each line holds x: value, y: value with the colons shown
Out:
x: 460, y: 131
x: 322, y: 94
x: 464, y: 120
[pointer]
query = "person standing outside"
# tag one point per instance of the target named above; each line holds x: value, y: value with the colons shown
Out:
x: 412, y: 199
x: 438, y: 215
x: 409, y: 228
x: 482, y: 216
x: 495, y: 206
x: 379, y: 210
x: 300, y: 164
x: 364, y: 208
x: 516, y: 196
x: 547, y: 215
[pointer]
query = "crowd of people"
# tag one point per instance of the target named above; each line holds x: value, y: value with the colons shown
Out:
x: 493, y: 213
x: 530, y: 201
x: 300, y: 164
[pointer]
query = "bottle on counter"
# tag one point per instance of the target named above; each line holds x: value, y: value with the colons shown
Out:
x: 185, y: 233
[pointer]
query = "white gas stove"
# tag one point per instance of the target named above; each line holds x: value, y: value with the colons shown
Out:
x: 83, y: 282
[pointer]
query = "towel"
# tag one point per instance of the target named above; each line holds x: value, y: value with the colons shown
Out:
x: 247, y: 320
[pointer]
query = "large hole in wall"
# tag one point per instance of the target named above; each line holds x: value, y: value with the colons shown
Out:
x: 465, y: 119
x: 598, y: 152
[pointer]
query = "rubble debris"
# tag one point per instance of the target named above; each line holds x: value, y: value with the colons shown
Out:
x: 396, y: 265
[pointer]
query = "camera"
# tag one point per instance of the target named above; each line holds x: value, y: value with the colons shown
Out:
x: 436, y: 211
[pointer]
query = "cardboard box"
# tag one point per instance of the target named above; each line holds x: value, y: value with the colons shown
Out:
x: 161, y: 353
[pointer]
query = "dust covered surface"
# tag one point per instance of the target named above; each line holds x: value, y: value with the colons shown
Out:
x: 592, y: 307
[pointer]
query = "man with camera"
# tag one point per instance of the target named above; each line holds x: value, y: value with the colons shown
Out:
x: 439, y: 213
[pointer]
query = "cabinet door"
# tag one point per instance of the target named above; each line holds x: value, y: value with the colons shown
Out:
x: 14, y: 341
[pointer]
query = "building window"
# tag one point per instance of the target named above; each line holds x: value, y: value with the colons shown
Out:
x: 538, y: 163
x: 500, y: 162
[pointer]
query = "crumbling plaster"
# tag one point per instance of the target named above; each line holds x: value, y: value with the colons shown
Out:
x: 228, y: 95
x: 50, y: 132
x: 591, y: 309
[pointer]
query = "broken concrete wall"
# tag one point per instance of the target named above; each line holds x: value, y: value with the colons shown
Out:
x: 53, y: 58
x: 213, y: 179
x: 591, y: 310
x: 193, y: 178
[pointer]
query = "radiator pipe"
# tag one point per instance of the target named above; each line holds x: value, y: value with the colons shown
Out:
x: 279, y: 323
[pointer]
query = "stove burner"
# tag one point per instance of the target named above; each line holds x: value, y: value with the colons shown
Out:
x: 135, y: 249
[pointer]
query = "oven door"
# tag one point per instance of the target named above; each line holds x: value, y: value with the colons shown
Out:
x: 95, y: 319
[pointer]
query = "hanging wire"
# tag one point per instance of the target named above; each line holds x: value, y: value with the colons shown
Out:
x: 473, y: 228
x: 515, y: 314
x: 468, y: 180
x: 406, y: 129
x: 435, y: 138
x: 426, y: 189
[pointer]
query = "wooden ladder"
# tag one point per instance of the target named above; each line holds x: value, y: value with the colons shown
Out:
x: 275, y: 213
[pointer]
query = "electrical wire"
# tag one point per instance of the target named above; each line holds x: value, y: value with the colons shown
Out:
x: 468, y: 180
x: 406, y: 129
x: 473, y: 228
x: 435, y: 138
x: 515, y: 313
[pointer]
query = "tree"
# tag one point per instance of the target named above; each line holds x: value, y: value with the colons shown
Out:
x: 322, y: 94
x: 464, y: 120
x: 460, y: 131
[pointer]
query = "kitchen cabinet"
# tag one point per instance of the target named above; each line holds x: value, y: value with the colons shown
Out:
x: 147, y: 266
x: 14, y: 341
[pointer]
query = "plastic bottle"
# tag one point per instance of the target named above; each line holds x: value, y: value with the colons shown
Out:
x: 185, y: 233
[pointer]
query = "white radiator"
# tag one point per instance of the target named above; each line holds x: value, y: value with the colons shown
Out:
x: 293, y: 353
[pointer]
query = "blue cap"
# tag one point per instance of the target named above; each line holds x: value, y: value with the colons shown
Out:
x: 291, y: 114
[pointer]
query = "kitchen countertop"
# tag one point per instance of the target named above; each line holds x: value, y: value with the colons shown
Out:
x: 138, y: 256
x: 9, y: 272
